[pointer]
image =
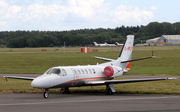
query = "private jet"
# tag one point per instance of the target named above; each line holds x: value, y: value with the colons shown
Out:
x: 104, y: 45
x: 100, y: 45
x: 118, y: 44
x: 90, y: 75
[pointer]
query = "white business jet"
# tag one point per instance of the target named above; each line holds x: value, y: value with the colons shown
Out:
x: 91, y: 75
x: 111, y: 45
x: 104, y: 45
x: 100, y: 45
x: 118, y: 44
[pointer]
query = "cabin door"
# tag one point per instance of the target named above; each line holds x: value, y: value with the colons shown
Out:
x: 75, y: 77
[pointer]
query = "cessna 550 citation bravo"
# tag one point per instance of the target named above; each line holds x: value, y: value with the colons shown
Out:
x: 101, y: 74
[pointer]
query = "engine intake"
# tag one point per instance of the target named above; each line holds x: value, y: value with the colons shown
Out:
x: 110, y: 71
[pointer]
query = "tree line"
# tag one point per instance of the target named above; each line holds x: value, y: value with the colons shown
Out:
x: 82, y: 37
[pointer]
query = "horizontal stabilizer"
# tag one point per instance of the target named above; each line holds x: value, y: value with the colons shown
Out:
x: 138, y: 59
x: 107, y: 59
x: 16, y: 77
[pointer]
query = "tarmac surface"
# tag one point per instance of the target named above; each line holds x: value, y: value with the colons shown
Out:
x: 34, y: 102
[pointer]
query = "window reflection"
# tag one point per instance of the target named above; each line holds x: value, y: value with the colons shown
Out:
x: 55, y: 71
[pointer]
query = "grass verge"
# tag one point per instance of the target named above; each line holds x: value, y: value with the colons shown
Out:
x: 156, y: 87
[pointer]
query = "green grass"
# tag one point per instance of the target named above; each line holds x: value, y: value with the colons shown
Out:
x: 35, y: 61
x: 167, y: 61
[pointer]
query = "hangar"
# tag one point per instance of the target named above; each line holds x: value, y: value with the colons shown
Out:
x: 164, y: 40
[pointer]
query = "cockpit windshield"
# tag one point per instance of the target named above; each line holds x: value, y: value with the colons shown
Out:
x: 54, y: 71
x: 48, y: 71
x: 57, y: 71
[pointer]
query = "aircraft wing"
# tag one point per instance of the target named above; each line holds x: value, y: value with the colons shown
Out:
x: 17, y: 77
x: 105, y: 82
x: 107, y: 59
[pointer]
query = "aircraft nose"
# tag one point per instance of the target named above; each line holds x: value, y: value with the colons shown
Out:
x: 37, y: 84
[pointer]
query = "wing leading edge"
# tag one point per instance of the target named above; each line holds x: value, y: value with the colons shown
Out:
x: 16, y: 77
x: 105, y: 82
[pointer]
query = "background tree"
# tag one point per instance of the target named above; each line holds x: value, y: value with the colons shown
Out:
x: 82, y: 37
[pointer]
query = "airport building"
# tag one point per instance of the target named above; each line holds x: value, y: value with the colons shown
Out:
x: 164, y: 40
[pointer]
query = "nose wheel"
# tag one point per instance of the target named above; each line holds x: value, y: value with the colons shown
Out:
x: 46, y: 93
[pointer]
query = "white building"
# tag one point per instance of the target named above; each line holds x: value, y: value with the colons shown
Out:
x: 165, y: 40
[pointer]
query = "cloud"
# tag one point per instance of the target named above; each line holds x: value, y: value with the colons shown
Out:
x: 3, y: 7
x: 14, y: 9
x: 84, y: 8
x: 2, y: 23
x: 126, y: 14
x: 73, y: 14
x: 153, y: 8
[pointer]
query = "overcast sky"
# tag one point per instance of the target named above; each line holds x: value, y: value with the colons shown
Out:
x: 59, y: 15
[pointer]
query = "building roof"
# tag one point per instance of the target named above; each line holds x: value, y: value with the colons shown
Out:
x: 171, y: 37
x: 167, y: 37
x: 152, y: 40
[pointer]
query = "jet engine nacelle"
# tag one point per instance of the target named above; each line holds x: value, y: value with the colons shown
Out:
x: 113, y: 71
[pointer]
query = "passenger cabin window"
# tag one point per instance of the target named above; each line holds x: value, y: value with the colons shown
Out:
x: 90, y: 71
x: 79, y: 71
x: 82, y: 71
x: 86, y: 71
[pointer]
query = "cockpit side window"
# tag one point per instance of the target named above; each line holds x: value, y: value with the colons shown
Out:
x: 63, y: 72
x: 48, y: 71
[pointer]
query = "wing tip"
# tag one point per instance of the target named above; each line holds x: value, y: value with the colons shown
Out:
x: 171, y: 78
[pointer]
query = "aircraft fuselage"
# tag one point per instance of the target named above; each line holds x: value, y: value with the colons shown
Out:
x: 71, y: 76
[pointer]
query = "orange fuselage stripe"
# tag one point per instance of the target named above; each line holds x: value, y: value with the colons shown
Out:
x: 86, y: 79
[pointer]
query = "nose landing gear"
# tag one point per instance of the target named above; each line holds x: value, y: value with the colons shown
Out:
x: 46, y: 93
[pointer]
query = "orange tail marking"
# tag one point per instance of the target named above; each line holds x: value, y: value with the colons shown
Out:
x: 128, y: 66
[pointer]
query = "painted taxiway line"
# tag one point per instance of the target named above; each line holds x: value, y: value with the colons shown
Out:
x: 81, y: 101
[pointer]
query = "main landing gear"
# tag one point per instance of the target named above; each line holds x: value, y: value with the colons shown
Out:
x: 109, y: 89
x: 46, y: 93
x: 65, y: 90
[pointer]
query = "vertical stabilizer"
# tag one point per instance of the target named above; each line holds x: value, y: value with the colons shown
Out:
x: 126, y: 52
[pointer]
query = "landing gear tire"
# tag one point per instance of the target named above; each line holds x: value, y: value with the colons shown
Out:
x: 108, y: 91
x: 65, y: 90
x: 46, y: 94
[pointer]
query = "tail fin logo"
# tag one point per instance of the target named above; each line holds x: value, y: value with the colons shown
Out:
x: 128, y: 48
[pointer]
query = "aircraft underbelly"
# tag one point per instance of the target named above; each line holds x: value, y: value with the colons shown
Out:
x: 70, y: 84
x: 76, y: 83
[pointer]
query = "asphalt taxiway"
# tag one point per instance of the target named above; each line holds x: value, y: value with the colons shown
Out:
x: 34, y: 102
